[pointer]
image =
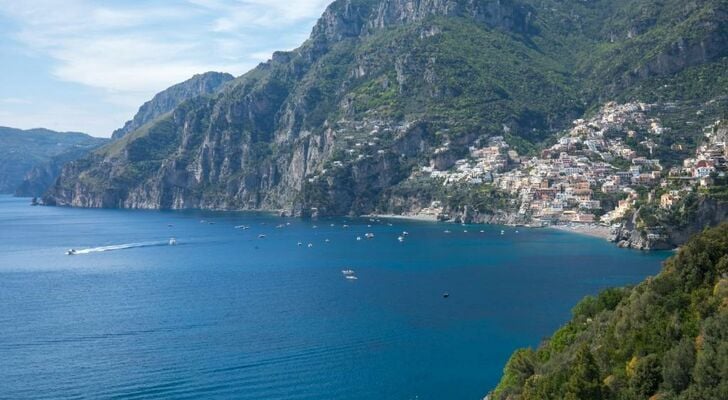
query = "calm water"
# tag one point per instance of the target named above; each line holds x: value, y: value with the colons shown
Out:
x: 225, y: 314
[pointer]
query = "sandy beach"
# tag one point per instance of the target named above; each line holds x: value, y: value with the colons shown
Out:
x: 413, y: 217
x: 599, y: 231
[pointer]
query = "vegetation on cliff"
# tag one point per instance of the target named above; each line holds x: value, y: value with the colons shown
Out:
x: 381, y: 85
x: 666, y: 338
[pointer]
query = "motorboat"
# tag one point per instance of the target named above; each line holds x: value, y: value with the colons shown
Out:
x: 310, y: 245
x: 358, y: 238
x: 351, y: 277
x: 405, y: 233
x: 261, y: 236
x: 172, y: 242
x: 71, y: 252
x: 347, y: 271
x: 369, y: 235
x: 401, y: 239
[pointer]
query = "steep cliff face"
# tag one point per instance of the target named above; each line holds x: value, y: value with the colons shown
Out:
x: 708, y: 212
x: 330, y: 127
x: 166, y: 101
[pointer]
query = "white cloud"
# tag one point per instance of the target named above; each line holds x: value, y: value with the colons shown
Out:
x: 131, y: 52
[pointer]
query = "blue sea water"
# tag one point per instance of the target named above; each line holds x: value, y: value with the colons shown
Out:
x: 228, y: 315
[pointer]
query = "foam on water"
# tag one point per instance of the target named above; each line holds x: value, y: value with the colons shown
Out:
x: 124, y: 246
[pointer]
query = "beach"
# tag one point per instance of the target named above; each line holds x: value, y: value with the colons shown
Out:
x: 599, y: 231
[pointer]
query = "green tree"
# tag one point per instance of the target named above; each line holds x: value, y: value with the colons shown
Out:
x: 584, y: 382
x: 647, y: 376
x: 677, y: 366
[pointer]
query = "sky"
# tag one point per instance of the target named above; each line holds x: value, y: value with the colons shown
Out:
x: 87, y: 66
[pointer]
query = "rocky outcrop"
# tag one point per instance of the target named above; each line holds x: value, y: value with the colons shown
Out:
x: 167, y: 100
x: 709, y: 212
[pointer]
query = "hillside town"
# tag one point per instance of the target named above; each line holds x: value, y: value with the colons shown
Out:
x: 595, y: 172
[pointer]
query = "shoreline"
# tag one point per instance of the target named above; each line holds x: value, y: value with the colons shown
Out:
x: 415, y: 217
x: 598, y: 231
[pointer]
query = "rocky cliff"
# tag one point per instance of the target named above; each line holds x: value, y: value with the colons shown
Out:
x: 166, y: 101
x: 378, y: 89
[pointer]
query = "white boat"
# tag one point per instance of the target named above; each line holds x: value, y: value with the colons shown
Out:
x: 300, y: 244
x: 71, y: 252
x: 351, y: 277
x: 503, y: 232
x: 327, y: 241
x: 369, y: 235
x: 447, y: 231
x: 261, y: 236
x: 358, y: 238
x: 401, y: 238
x: 172, y: 242
x: 347, y: 271
x: 310, y: 245
x: 405, y: 233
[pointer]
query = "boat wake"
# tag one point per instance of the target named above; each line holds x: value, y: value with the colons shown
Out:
x: 115, y: 247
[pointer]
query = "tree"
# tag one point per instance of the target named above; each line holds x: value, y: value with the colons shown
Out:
x: 584, y: 382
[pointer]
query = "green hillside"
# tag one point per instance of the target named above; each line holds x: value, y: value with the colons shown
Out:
x: 666, y: 338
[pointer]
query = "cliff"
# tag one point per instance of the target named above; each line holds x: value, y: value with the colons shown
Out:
x: 336, y: 125
x: 166, y: 100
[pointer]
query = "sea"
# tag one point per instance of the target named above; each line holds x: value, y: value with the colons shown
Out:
x: 256, y: 306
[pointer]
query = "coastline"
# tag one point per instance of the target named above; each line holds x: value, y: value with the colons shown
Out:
x: 599, y: 231
x: 413, y: 217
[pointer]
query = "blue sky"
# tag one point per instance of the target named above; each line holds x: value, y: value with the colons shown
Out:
x: 81, y: 65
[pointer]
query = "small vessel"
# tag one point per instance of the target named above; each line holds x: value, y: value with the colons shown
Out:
x: 314, y: 227
x: 300, y: 244
x: 327, y: 241
x: 503, y: 232
x: 358, y: 238
x: 447, y: 231
x: 172, y: 242
x: 347, y: 271
x: 369, y: 235
x: 465, y: 231
x: 71, y: 252
x: 401, y: 239
x: 346, y: 226
x: 405, y: 233
x: 351, y: 277
x: 310, y: 245
x: 332, y: 225
x: 446, y: 295
x: 261, y: 236
x: 482, y: 231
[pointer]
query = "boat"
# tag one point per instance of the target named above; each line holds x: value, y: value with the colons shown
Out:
x: 347, y: 271
x: 447, y: 231
x: 71, y: 252
x: 358, y: 238
x: 503, y: 232
x: 405, y: 233
x: 401, y: 238
x: 300, y: 244
x: 446, y: 295
x: 369, y: 235
x: 261, y: 236
x: 351, y: 277
x: 310, y: 245
x: 327, y: 241
x: 172, y: 242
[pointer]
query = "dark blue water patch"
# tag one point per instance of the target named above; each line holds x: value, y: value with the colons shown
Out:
x: 226, y: 314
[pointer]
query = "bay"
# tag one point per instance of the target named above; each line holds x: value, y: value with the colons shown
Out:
x: 227, y: 314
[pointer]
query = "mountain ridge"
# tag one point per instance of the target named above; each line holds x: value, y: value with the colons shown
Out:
x: 418, y: 74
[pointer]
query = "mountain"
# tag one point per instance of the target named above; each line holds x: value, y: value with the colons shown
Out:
x: 383, y: 88
x: 43, y: 175
x: 21, y: 150
x: 666, y: 338
x: 165, y: 101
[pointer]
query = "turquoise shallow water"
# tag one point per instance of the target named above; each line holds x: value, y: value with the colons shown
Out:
x: 225, y: 314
